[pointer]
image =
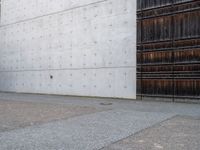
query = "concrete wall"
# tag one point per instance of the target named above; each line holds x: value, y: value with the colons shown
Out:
x: 69, y: 47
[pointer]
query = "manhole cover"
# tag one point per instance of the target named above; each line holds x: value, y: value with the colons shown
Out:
x: 106, y: 104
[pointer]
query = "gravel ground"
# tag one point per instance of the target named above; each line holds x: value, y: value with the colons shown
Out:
x: 178, y: 133
x: 15, y: 114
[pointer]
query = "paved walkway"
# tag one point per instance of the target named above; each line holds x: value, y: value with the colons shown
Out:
x: 177, y: 133
x: 72, y: 123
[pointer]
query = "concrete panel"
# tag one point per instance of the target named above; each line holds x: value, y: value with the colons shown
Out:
x: 84, y: 47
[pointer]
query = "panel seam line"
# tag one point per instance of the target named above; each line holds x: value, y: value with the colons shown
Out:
x: 53, y: 13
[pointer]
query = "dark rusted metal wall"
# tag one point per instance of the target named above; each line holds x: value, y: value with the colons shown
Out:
x: 169, y: 48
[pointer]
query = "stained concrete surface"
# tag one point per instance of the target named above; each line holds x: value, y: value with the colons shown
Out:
x: 141, y: 106
x: 178, y: 133
x: 21, y: 114
x: 77, y: 123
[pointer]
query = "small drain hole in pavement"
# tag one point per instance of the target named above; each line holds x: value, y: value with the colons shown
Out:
x: 106, y: 104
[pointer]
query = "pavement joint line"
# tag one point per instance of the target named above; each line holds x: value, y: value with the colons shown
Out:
x: 134, y: 134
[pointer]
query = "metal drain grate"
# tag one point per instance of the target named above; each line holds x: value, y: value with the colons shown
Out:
x: 106, y: 104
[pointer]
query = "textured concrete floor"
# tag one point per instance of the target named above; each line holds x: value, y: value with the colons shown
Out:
x: 58, y: 122
x: 178, y: 133
x: 86, y: 132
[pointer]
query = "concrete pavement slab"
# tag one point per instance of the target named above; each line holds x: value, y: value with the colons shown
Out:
x: 86, y: 132
x: 178, y: 133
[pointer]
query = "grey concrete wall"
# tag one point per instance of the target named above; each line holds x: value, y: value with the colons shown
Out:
x: 69, y: 47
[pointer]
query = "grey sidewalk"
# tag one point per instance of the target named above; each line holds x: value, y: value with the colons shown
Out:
x: 177, y: 133
x: 59, y: 122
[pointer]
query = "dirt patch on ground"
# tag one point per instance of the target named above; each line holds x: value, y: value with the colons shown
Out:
x: 21, y: 114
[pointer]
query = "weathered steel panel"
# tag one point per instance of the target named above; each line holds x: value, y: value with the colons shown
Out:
x: 169, y: 48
